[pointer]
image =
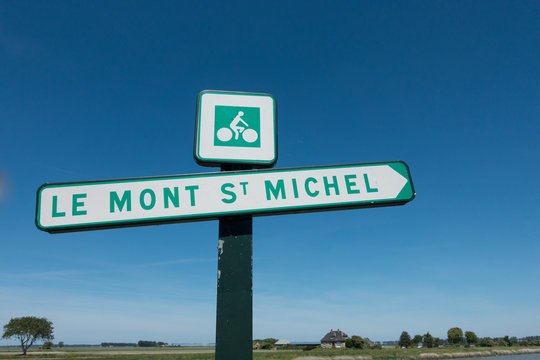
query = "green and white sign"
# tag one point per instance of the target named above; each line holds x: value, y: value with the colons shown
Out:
x: 142, y: 201
x: 234, y: 127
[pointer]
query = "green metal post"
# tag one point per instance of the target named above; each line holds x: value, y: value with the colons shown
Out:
x: 234, y: 321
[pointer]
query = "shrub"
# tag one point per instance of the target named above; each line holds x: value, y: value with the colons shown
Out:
x: 486, y: 342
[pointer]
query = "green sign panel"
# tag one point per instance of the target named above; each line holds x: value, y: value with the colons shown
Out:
x: 237, y: 126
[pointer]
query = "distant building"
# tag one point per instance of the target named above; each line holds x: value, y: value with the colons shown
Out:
x: 282, y: 342
x: 334, y: 339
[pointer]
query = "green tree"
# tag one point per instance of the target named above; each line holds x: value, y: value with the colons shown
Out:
x: 428, y: 340
x: 147, y: 343
x: 28, y: 329
x: 507, y: 341
x: 455, y: 336
x: 355, y: 342
x: 486, y: 342
x: 268, y: 343
x: 61, y: 344
x: 514, y: 341
x: 404, y: 340
x: 471, y: 337
x: 47, y: 345
x: 437, y: 342
x: 417, y: 339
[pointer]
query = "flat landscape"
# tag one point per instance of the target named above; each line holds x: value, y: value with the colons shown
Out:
x: 207, y: 353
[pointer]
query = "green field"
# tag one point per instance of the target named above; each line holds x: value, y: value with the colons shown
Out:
x: 207, y: 353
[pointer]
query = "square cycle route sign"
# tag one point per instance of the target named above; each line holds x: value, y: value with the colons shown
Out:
x: 235, y: 127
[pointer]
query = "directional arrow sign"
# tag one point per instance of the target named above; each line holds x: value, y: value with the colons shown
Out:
x: 180, y: 198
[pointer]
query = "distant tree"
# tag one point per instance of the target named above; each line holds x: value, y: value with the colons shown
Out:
x: 404, y: 340
x: 428, y: 340
x: 471, y: 338
x: 145, y: 343
x: 28, y: 329
x: 507, y: 341
x: 110, y: 344
x: 486, y: 342
x: 47, y: 345
x: 530, y: 341
x: 500, y: 342
x: 417, y: 339
x: 437, y: 342
x: 268, y: 343
x: 356, y: 342
x: 60, y: 344
x: 455, y: 336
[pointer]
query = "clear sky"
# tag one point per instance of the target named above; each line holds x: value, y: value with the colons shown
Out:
x: 101, y: 90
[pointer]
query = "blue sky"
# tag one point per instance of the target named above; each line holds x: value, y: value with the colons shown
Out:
x: 101, y: 90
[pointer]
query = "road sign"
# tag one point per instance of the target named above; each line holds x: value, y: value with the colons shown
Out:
x: 234, y: 130
x: 235, y: 127
x: 154, y: 200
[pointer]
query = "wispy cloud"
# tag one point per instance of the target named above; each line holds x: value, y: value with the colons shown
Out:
x: 174, y: 262
x: 98, y: 269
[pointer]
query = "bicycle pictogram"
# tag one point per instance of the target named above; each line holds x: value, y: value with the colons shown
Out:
x: 235, y: 128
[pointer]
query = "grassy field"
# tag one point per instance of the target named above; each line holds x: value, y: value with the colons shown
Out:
x: 207, y: 353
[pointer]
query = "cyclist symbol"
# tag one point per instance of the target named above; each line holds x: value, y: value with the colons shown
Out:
x: 249, y: 135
